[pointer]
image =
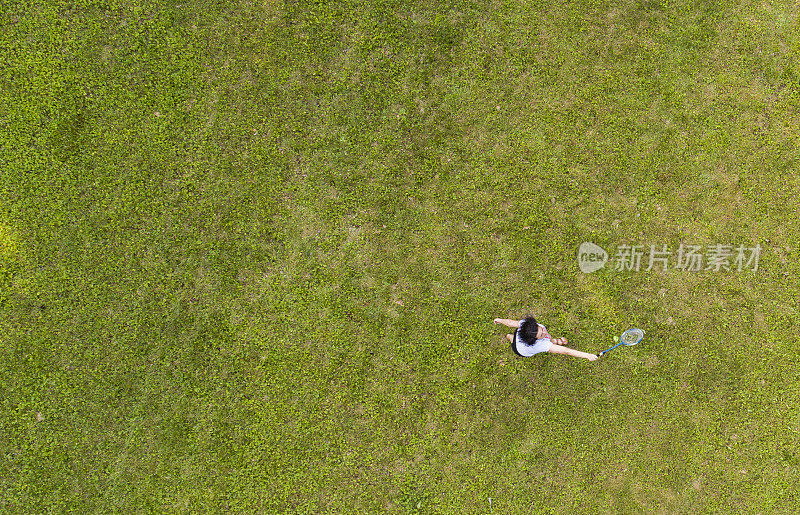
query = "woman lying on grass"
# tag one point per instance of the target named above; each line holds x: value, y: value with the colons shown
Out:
x: 531, y: 338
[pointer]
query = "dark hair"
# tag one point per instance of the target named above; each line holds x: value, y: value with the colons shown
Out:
x: 528, y: 329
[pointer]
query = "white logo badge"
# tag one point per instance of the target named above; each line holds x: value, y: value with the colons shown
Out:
x: 591, y: 257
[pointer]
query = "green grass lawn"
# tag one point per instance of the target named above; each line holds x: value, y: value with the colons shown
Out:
x: 250, y: 254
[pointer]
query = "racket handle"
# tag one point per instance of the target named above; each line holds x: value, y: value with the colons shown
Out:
x: 600, y: 354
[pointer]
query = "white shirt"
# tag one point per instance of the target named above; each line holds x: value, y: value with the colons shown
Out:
x: 542, y: 344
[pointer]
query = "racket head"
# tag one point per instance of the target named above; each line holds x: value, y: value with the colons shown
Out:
x: 632, y: 336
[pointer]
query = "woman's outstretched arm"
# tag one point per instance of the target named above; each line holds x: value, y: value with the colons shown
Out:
x: 560, y: 349
x: 507, y: 322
